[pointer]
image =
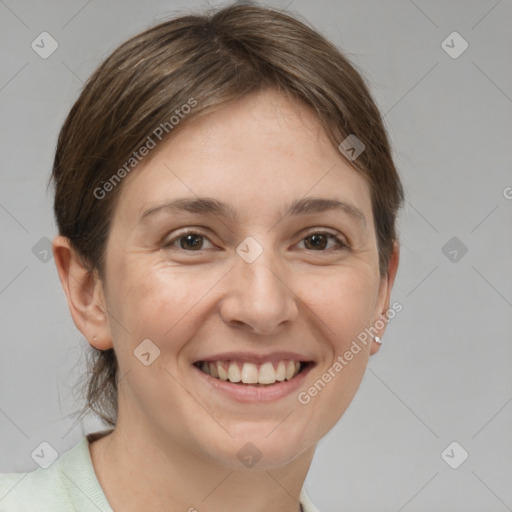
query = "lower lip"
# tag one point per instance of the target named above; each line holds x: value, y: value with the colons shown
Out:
x: 248, y: 393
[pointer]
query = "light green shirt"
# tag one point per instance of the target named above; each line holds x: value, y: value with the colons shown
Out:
x: 68, y: 485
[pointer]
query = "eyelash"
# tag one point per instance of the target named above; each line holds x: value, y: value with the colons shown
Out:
x: 340, y: 243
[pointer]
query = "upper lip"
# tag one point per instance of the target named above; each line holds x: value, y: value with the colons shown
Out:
x: 252, y: 357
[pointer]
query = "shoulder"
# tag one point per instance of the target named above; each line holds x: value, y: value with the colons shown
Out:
x: 306, y: 503
x: 68, y: 483
x: 37, y: 490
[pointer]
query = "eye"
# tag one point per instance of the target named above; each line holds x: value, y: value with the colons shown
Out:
x: 188, y: 241
x: 318, y: 240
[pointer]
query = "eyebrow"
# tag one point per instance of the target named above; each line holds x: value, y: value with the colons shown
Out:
x: 209, y: 206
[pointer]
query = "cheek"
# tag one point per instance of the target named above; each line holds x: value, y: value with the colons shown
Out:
x: 160, y: 304
x: 160, y: 301
x: 342, y: 300
x: 342, y: 307
x: 166, y: 304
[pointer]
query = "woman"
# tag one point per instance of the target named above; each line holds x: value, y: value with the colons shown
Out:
x: 226, y: 202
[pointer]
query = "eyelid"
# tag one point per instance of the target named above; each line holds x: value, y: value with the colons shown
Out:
x: 167, y: 243
x: 337, y: 236
x: 341, y: 241
x: 326, y: 231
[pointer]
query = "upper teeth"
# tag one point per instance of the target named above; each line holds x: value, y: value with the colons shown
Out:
x: 250, y: 373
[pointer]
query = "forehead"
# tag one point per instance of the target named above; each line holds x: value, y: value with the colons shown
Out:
x: 258, y: 153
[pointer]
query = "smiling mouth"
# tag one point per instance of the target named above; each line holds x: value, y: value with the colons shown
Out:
x: 245, y: 373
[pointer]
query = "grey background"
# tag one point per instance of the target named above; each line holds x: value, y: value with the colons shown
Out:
x: 444, y: 371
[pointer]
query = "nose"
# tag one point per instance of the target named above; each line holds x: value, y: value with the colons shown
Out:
x: 259, y: 298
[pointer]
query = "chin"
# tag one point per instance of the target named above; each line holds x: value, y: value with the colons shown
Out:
x: 257, y: 445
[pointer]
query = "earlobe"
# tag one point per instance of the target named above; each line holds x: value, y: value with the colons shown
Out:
x: 84, y: 293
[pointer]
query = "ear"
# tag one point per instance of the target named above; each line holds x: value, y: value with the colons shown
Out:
x: 386, y: 285
x: 84, y: 292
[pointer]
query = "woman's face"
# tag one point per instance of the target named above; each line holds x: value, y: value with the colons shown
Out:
x: 249, y: 282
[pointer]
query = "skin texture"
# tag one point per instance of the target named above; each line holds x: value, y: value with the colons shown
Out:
x: 176, y: 442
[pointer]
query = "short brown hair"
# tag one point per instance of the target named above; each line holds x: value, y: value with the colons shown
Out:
x: 214, y: 58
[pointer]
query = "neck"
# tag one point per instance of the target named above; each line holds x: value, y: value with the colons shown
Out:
x: 137, y: 470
